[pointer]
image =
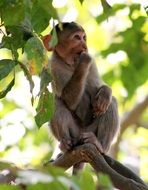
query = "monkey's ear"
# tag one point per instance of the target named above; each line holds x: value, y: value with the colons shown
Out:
x: 46, y: 39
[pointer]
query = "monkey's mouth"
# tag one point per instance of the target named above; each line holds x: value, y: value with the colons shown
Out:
x: 80, y: 52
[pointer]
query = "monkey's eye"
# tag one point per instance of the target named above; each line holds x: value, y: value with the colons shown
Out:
x: 84, y: 38
x: 76, y: 36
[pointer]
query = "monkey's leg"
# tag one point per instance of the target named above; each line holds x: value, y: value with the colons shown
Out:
x: 64, y: 126
x: 63, y: 123
x: 106, y: 126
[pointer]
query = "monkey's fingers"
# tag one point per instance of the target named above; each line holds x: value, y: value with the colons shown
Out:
x: 62, y: 147
x: 84, y: 57
x: 97, y: 112
x: 99, y: 146
x: 104, y: 106
x: 99, y: 105
x: 96, y: 143
x: 90, y: 137
x: 65, y: 144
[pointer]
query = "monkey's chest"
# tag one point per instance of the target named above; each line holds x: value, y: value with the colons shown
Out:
x: 84, y: 109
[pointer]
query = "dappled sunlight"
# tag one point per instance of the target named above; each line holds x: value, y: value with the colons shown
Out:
x: 59, y: 4
x: 117, y: 41
x: 71, y: 15
x: 115, y: 58
x: 10, y: 135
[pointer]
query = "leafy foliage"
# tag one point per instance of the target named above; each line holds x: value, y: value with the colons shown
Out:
x: 6, y: 66
x: 45, y: 108
x: 52, y: 178
x: 35, y: 54
x: 28, y: 19
x: 136, y: 64
x: 8, y: 88
x: 23, y: 22
x: 12, y: 12
x: 22, y: 25
x: 109, y: 11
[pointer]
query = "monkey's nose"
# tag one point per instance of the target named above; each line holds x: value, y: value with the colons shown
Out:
x: 84, y: 47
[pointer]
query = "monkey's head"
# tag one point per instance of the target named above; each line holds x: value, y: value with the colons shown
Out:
x: 71, y: 40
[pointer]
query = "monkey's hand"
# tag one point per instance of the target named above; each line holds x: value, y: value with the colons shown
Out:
x: 84, y: 58
x: 65, y: 144
x: 89, y: 137
x: 102, y: 101
x: 83, y: 61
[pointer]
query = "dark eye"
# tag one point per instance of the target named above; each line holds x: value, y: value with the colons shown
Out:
x: 84, y: 38
x: 77, y: 37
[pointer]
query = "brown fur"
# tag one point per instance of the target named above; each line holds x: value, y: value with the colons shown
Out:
x: 85, y: 109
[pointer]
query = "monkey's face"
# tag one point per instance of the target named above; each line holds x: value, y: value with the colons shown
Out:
x: 77, y: 42
x: 71, y: 45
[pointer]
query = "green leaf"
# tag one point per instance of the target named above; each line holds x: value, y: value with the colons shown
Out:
x: 5, y: 165
x: 29, y: 78
x: 112, y: 11
x: 133, y: 7
x: 146, y: 9
x: 54, y: 38
x: 109, y: 77
x: 36, y: 54
x: 106, y: 6
x: 104, y: 181
x: 55, y: 185
x: 86, y: 181
x: 43, y: 18
x: 81, y: 1
x: 45, y: 108
x: 45, y: 78
x: 48, y: 7
x: 18, y: 35
x: 134, y: 63
x: 9, y: 43
x: 1, y: 45
x: 9, y: 187
x: 139, y: 76
x: 12, y: 12
x: 4, y: 92
x: 6, y: 66
x: 1, y: 3
x: 43, y: 10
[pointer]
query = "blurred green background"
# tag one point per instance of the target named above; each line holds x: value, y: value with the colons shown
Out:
x: 117, y: 38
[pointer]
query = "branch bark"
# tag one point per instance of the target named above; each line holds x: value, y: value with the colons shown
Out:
x: 130, y: 118
x: 121, y: 177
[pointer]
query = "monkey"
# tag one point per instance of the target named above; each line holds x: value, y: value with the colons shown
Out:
x: 85, y: 110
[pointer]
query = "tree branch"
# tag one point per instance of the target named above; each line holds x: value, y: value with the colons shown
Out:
x: 120, y: 176
x: 142, y: 124
x: 132, y: 117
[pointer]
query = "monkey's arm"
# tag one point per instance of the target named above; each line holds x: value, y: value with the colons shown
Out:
x: 101, y: 94
x: 70, y: 88
x: 73, y: 91
x: 102, y: 100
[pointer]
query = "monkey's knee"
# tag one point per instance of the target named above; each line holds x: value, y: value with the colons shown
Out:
x: 53, y: 126
x: 108, y: 126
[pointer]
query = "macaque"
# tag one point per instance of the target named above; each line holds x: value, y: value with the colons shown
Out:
x: 85, y: 110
